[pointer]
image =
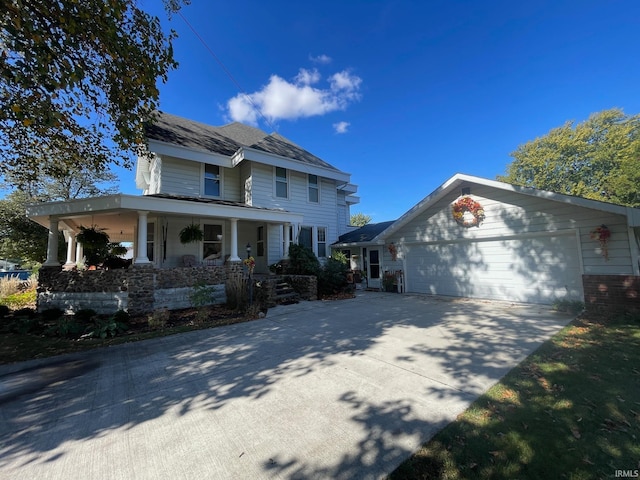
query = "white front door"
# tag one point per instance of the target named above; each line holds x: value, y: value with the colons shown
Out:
x: 374, y: 256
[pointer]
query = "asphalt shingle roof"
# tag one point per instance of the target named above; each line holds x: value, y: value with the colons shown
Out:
x: 365, y: 233
x: 226, y: 140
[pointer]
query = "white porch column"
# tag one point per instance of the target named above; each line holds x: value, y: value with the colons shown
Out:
x: 141, y: 256
x: 234, y: 241
x: 79, y: 252
x: 71, y: 249
x: 52, y: 244
x: 287, y: 240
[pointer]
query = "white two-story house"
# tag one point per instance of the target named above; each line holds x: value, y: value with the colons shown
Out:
x: 246, y: 189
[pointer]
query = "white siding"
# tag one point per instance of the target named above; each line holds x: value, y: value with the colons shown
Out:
x: 510, y: 214
x: 180, y: 177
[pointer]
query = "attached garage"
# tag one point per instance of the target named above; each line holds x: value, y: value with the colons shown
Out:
x: 479, y: 238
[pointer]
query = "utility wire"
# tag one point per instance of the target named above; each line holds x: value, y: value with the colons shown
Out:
x: 240, y: 89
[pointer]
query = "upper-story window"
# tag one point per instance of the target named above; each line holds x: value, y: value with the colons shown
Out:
x: 313, y: 188
x: 282, y: 183
x: 212, y: 180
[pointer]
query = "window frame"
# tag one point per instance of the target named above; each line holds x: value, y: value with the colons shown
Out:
x: 313, y: 187
x: 206, y: 242
x: 277, y: 181
x: 205, y: 179
x: 324, y: 231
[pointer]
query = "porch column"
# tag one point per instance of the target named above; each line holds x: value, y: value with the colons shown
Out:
x: 71, y: 249
x: 234, y: 241
x: 52, y: 244
x: 287, y: 240
x: 79, y: 253
x: 141, y: 247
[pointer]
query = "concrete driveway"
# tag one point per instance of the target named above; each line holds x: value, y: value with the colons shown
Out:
x: 342, y: 390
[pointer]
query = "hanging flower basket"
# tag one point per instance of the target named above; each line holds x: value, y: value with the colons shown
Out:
x: 191, y: 233
x: 393, y: 251
x: 602, y: 234
x: 467, y: 204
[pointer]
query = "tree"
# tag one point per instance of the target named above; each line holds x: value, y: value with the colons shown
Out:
x: 360, y: 219
x: 20, y: 237
x: 597, y: 159
x: 77, y: 77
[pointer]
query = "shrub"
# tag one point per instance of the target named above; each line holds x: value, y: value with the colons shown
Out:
x: 332, y: 278
x: 302, y: 261
x: 65, y: 327
x: 159, y: 319
x: 4, y: 311
x: 201, y: 295
x: 122, y: 317
x: 102, y: 327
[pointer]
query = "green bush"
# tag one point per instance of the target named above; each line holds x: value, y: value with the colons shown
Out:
x: 122, y: 317
x: 237, y: 291
x: 332, y: 277
x: 201, y: 295
x: 159, y: 319
x: 102, y: 327
x: 65, y: 327
x: 302, y: 261
x: 568, y: 306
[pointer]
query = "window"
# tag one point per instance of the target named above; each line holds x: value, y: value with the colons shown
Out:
x: 305, y: 237
x: 212, y: 242
x: 313, y: 188
x: 282, y: 183
x: 322, y: 242
x: 212, y: 180
x: 260, y: 246
x: 291, y: 238
x: 151, y: 233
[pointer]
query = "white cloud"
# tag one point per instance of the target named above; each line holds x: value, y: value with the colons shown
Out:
x: 341, y: 127
x: 322, y: 59
x: 284, y: 100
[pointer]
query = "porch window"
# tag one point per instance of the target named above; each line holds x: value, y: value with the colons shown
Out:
x: 313, y: 188
x: 282, y: 183
x: 212, y: 242
x: 322, y: 242
x: 260, y: 245
x: 151, y: 235
x: 291, y: 238
x: 212, y: 180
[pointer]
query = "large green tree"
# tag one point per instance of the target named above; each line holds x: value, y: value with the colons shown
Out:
x: 598, y: 158
x: 77, y: 77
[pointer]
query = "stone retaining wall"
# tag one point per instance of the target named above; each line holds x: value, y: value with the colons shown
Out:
x: 142, y: 289
x: 611, y: 293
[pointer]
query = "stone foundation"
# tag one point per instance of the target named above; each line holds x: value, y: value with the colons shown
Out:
x: 611, y: 293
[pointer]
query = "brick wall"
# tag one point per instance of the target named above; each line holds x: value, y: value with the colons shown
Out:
x: 611, y: 293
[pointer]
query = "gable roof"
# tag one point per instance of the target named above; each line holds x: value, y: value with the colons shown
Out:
x: 226, y: 140
x: 460, y: 180
x: 366, y: 233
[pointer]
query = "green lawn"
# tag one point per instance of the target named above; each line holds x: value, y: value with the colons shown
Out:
x: 571, y: 410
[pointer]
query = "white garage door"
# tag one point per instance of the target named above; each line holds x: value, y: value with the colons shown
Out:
x: 536, y: 270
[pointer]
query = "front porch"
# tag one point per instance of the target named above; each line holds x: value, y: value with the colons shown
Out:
x: 152, y: 223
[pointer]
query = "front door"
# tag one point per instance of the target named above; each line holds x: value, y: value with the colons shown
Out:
x: 374, y: 255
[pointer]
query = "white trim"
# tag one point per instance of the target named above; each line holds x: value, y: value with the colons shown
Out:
x: 515, y: 236
x: 634, y: 246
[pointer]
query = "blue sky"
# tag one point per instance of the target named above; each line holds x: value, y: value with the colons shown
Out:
x: 403, y: 94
